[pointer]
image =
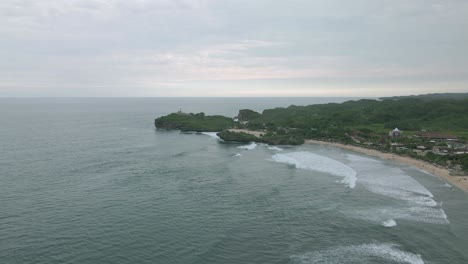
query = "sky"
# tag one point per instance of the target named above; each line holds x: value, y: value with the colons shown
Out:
x: 143, y: 48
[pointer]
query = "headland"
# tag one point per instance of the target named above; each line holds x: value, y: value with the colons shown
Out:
x: 429, y: 132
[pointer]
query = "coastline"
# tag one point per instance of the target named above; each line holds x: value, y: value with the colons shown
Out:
x: 459, y: 181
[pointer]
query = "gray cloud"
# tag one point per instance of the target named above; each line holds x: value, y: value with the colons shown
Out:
x: 232, y: 48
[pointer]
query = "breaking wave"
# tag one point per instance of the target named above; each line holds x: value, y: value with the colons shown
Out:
x: 211, y: 134
x: 418, y: 214
x: 275, y: 148
x: 394, y: 183
x: 237, y: 155
x: 389, y: 223
x: 248, y: 147
x: 311, y: 161
x: 365, y: 253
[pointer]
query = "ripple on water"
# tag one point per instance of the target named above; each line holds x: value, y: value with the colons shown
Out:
x: 365, y: 253
x: 311, y: 161
x: 379, y: 178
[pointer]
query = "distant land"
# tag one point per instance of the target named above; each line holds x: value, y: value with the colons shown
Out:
x: 430, y: 127
x: 429, y: 97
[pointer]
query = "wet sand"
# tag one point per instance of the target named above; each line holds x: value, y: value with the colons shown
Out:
x: 443, y: 173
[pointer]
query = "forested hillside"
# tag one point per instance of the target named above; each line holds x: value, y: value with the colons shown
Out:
x: 406, y: 114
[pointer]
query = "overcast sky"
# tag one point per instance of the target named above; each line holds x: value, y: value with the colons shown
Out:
x: 232, y: 48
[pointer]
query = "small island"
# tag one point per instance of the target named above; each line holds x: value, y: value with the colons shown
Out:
x: 432, y: 128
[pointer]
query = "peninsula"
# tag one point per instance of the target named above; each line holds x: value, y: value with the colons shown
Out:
x: 431, y: 129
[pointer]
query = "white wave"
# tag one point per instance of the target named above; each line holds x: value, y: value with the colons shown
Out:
x: 402, y: 193
x: 389, y: 223
x: 237, y: 155
x: 311, y: 161
x: 428, y: 215
x: 248, y: 147
x: 275, y: 148
x: 211, y: 134
x: 392, y: 182
x: 365, y: 253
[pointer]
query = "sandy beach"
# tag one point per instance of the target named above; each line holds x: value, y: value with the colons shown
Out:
x: 443, y: 173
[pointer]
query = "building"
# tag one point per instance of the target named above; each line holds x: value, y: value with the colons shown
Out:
x: 395, y: 133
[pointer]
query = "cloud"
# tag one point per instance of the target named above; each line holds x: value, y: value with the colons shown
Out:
x: 151, y: 48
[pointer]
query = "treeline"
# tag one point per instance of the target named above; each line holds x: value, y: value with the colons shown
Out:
x: 334, y: 121
x: 268, y: 138
x: 430, y: 97
x: 406, y: 114
x: 194, y: 122
x: 366, y: 121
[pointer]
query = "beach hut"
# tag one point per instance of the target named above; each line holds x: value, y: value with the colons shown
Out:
x: 395, y: 133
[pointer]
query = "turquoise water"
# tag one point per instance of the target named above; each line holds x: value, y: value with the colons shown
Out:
x: 92, y: 181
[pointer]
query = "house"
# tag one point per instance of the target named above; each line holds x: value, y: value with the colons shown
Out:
x: 460, y: 151
x: 395, y: 133
x: 451, y: 151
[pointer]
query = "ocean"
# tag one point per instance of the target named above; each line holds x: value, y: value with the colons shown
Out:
x: 90, y: 180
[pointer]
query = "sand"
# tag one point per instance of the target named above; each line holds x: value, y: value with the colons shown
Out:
x: 443, y: 173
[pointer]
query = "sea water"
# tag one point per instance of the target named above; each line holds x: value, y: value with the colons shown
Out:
x: 92, y: 181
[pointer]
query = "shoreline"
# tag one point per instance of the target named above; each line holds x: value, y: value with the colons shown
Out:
x: 460, y: 182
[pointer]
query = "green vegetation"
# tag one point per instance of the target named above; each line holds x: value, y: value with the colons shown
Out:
x: 431, y: 97
x: 283, y: 139
x: 269, y: 138
x: 247, y: 114
x: 442, y: 160
x: 330, y: 119
x: 194, y: 122
x: 237, y: 136
x: 364, y: 123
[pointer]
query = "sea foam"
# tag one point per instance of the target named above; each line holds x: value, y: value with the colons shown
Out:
x: 392, y: 182
x: 311, y: 161
x: 365, y: 253
x: 275, y: 148
x: 389, y: 223
x: 211, y: 134
x: 248, y: 147
x: 379, y: 215
x: 237, y: 155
